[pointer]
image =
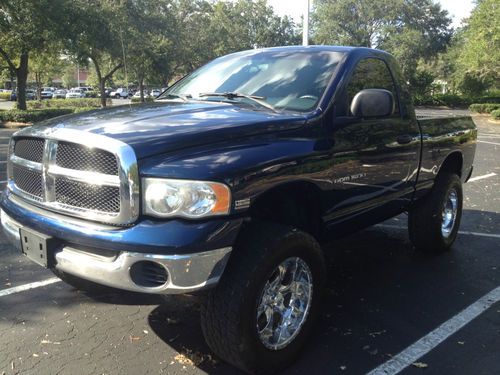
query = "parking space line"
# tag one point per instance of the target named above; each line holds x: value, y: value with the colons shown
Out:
x: 490, y: 143
x: 483, y: 176
x: 491, y: 235
x: 22, y: 288
x: 423, y: 346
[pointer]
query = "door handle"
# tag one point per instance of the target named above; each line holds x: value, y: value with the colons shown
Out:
x: 404, y: 139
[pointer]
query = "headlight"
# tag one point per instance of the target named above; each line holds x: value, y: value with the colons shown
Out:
x: 184, y: 198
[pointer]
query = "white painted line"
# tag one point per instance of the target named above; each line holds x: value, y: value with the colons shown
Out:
x: 3, y: 182
x: 490, y: 143
x: 491, y: 235
x: 423, y: 346
x: 483, y: 176
x: 22, y: 288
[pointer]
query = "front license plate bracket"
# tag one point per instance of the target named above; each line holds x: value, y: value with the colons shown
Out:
x: 37, y: 247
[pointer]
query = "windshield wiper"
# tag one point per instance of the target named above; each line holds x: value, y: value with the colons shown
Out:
x: 231, y: 95
x: 175, y: 96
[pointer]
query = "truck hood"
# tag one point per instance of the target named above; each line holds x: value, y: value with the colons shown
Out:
x: 161, y: 127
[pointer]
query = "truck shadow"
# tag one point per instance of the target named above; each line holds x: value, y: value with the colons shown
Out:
x: 380, y: 297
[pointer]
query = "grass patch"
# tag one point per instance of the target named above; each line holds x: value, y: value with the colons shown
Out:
x: 484, y: 107
x: 5, y: 95
x: 495, y: 114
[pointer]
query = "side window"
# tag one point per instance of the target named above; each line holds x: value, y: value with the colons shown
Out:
x: 370, y: 73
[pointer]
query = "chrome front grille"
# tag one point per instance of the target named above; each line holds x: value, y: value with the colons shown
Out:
x: 96, y: 179
x: 29, y: 181
x: 90, y: 197
x: 29, y: 149
x: 75, y: 156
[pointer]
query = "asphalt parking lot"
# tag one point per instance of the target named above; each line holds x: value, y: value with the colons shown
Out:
x: 386, y: 308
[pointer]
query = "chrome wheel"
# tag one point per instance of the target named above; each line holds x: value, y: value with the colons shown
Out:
x: 449, y: 214
x: 284, y: 303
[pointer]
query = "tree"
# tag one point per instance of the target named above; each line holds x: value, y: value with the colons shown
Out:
x: 68, y: 77
x: 410, y: 29
x: 478, y: 63
x: 44, y: 66
x: 28, y: 26
x: 98, y: 35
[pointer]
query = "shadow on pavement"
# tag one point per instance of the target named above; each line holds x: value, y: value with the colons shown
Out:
x: 381, y: 296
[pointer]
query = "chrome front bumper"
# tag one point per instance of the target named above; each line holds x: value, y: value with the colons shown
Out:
x: 185, y: 273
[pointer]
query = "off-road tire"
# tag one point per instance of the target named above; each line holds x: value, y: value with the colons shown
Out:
x: 228, y: 315
x: 425, y: 218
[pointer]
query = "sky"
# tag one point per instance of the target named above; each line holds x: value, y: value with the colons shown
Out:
x: 458, y: 9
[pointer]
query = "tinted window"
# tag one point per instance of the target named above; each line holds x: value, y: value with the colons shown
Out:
x: 287, y: 80
x: 370, y: 74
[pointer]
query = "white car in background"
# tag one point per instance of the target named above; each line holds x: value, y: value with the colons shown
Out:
x: 120, y: 93
x: 59, y: 94
x: 138, y: 94
x: 155, y: 93
x: 75, y: 93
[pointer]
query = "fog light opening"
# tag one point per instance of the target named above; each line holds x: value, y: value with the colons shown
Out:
x: 148, y: 274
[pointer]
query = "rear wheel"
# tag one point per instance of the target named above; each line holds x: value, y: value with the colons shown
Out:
x: 261, y: 312
x: 433, y: 223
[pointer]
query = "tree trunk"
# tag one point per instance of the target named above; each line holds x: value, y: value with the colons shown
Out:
x: 141, y: 88
x: 102, y: 89
x: 38, y: 80
x: 22, y: 77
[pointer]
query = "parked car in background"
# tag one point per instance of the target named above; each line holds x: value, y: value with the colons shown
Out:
x: 47, y: 93
x: 138, y: 94
x: 155, y: 93
x: 120, y: 93
x: 59, y: 94
x: 30, y: 94
x: 75, y: 93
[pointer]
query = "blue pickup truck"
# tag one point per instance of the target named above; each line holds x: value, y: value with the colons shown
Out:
x: 231, y: 180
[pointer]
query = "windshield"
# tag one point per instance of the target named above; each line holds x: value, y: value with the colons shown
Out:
x: 285, y: 80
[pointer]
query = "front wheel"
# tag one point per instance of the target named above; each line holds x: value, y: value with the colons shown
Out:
x: 261, y: 312
x: 433, y: 223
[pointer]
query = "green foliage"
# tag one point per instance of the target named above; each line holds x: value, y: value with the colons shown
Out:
x: 5, y: 95
x: 496, y: 114
x: 480, y: 55
x: 66, y: 103
x: 30, y: 116
x: 27, y: 28
x: 138, y: 100
x: 484, y: 107
x: 421, y: 83
x: 472, y: 83
x: 84, y: 109
x: 409, y: 29
x: 447, y: 100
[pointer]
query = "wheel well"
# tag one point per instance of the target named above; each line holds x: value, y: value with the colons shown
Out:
x: 453, y: 163
x: 295, y: 204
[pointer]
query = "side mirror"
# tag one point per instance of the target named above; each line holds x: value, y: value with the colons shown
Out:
x: 372, y: 103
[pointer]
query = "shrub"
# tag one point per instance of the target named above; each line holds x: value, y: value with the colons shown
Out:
x: 5, y: 95
x: 83, y: 109
x: 484, y: 107
x: 66, y: 103
x: 496, y: 114
x: 147, y: 100
x: 449, y: 100
x: 92, y: 94
x: 28, y: 116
